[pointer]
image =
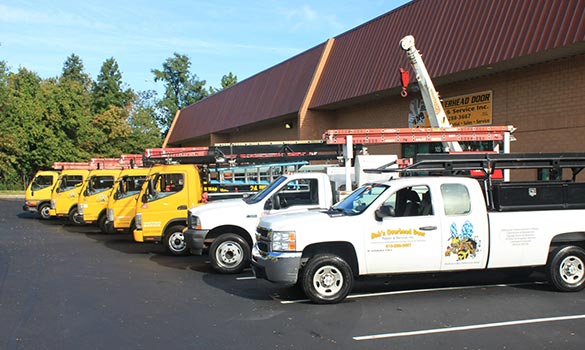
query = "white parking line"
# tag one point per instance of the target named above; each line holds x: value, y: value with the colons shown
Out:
x: 356, y: 296
x: 470, y: 327
x: 245, y: 278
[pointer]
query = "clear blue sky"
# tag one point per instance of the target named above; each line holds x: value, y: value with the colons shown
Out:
x: 219, y: 36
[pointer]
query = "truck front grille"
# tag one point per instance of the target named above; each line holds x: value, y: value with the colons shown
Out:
x: 263, y: 239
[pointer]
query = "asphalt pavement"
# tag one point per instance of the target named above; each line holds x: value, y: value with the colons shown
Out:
x: 64, y: 287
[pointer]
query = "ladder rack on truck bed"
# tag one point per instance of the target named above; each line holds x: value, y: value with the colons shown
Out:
x: 511, y: 196
x: 245, y: 153
x: 452, y: 164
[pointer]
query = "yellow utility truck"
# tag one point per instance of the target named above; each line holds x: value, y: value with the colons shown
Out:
x: 65, y: 194
x: 121, y: 206
x: 161, y: 210
x: 93, y: 200
x: 37, y: 198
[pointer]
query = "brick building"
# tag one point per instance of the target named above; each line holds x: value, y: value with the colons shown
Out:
x: 527, y: 55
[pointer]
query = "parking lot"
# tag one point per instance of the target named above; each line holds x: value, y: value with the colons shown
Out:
x: 64, y: 287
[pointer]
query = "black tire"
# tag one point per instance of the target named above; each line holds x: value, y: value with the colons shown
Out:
x: 101, y: 223
x: 74, y: 218
x: 229, y: 253
x: 326, y: 279
x: 43, y: 211
x: 175, y: 241
x: 566, y: 269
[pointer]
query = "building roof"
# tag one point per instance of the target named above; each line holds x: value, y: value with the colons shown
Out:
x: 458, y: 39
x: 277, y: 91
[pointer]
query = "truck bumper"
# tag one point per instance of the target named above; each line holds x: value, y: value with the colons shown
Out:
x: 195, y: 240
x: 29, y: 208
x: 276, y: 267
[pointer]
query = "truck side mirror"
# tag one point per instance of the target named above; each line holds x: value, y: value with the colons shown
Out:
x: 145, y: 198
x: 384, y: 211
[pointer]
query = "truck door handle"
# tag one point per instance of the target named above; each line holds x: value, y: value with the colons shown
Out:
x: 427, y: 228
x: 182, y: 207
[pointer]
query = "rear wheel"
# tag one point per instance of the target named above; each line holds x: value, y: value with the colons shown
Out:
x: 229, y: 253
x: 175, y: 241
x: 44, y: 211
x: 566, y: 269
x: 326, y: 279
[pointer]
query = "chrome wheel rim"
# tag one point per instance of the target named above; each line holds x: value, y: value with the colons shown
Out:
x: 229, y: 254
x: 572, y: 270
x: 328, y: 280
x: 177, y: 242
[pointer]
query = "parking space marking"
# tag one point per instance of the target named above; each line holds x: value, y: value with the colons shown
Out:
x: 412, y: 291
x: 245, y: 278
x: 469, y: 327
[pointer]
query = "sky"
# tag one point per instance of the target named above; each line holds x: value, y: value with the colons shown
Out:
x: 219, y: 36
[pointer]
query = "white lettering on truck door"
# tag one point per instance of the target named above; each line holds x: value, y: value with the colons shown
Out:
x: 407, y: 241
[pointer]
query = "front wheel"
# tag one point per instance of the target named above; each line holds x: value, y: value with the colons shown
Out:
x: 102, y: 224
x: 566, y: 269
x: 44, y: 211
x: 326, y: 279
x: 229, y: 253
x: 74, y: 218
x: 175, y: 241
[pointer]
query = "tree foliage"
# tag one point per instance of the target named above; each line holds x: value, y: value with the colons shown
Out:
x: 73, y: 118
x: 70, y: 118
x: 181, y: 88
x: 226, y: 81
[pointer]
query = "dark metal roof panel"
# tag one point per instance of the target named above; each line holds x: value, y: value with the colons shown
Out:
x: 277, y: 91
x: 452, y: 35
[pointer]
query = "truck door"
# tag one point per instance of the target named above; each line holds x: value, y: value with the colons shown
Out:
x: 404, y: 234
x: 166, y: 200
x: 463, y: 229
x: 295, y: 195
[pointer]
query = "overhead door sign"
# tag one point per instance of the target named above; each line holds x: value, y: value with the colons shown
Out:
x: 465, y: 110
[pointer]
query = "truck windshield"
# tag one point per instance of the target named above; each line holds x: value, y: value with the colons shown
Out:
x: 98, y: 184
x: 41, y: 182
x: 258, y: 196
x: 163, y: 185
x: 359, y: 200
x: 128, y: 186
x: 69, y: 182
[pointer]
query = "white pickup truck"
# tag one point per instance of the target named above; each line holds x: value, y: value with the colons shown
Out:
x: 427, y: 224
x: 226, y: 227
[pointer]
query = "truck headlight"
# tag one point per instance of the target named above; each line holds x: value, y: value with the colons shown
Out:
x: 138, y: 221
x: 110, y: 214
x: 194, y: 222
x: 284, y: 241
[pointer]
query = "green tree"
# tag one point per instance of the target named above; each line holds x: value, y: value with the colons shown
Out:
x: 107, y: 89
x: 144, y: 130
x: 181, y: 88
x: 226, y: 81
x: 73, y: 70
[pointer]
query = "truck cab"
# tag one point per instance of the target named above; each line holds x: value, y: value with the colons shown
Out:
x: 226, y: 227
x: 65, y: 194
x: 37, y: 198
x: 161, y: 211
x: 121, y: 206
x: 92, y: 202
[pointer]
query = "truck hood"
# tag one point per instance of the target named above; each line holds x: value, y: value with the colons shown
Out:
x: 295, y: 221
x: 227, y: 205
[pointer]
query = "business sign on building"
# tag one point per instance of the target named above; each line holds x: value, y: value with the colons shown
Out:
x: 465, y: 110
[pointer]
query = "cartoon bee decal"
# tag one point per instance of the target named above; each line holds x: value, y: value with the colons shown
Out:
x: 462, y: 243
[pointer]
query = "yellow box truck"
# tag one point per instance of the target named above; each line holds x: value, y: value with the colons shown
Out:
x: 37, y: 198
